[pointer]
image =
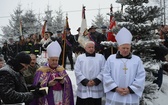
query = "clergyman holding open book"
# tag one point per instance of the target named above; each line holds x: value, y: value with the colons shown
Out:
x: 55, y: 77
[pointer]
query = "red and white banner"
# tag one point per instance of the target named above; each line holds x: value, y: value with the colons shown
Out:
x: 111, y: 36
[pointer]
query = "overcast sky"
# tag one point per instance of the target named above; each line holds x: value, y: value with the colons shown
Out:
x: 72, y: 7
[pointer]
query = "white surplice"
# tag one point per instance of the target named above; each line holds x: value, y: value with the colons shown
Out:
x: 89, y: 68
x: 114, y: 75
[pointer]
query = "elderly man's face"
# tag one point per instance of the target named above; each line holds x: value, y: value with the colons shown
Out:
x: 53, y: 61
x: 90, y: 48
x: 125, y: 49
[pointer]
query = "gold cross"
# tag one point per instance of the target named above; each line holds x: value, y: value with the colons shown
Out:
x: 125, y: 68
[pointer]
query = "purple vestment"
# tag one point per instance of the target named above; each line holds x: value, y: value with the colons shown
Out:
x: 43, y: 75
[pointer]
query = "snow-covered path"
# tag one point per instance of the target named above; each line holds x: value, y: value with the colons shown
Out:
x: 163, y: 93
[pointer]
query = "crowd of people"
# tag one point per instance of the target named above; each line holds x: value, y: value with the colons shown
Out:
x: 29, y: 44
x: 36, y: 44
x: 119, y: 77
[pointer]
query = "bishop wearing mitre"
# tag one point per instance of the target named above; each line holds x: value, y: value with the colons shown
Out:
x: 124, y: 74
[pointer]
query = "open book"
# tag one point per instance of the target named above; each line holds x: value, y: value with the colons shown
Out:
x: 60, y: 78
x: 43, y: 88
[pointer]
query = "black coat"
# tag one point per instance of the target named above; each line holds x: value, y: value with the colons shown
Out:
x: 96, y: 37
x: 13, y: 87
x: 28, y: 47
x: 5, y: 52
x: 70, y: 41
x: 12, y: 50
x: 36, y: 49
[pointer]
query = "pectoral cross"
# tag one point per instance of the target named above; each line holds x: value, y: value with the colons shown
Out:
x: 125, y: 68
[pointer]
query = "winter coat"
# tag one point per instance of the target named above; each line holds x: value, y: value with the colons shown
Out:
x: 29, y: 74
x: 36, y: 49
x: 69, y: 43
x: 13, y: 87
x: 96, y: 37
x: 13, y: 50
x: 28, y: 47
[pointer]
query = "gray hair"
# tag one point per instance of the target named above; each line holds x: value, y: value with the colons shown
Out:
x: 88, y: 42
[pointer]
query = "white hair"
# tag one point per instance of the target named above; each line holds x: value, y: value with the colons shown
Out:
x: 88, y: 42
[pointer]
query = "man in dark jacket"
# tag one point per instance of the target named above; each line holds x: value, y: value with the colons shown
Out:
x: 12, y: 47
x: 95, y: 36
x: 5, y: 50
x: 105, y: 50
x: 13, y: 88
x: 30, y: 72
x: 69, y: 48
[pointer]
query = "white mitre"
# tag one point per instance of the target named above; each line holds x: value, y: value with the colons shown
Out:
x: 124, y: 36
x: 54, y: 49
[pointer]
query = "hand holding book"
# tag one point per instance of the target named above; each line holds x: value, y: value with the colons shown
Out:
x: 56, y: 79
x: 60, y: 78
x: 40, y: 92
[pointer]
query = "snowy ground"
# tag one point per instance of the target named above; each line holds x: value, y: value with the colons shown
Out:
x: 163, y: 93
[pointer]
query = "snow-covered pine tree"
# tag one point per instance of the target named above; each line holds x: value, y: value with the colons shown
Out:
x: 140, y: 18
x: 162, y: 4
x: 99, y: 20
x: 39, y: 24
x: 14, y: 23
x: 49, y: 18
x: 58, y: 21
x: 29, y: 23
x: 7, y: 31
